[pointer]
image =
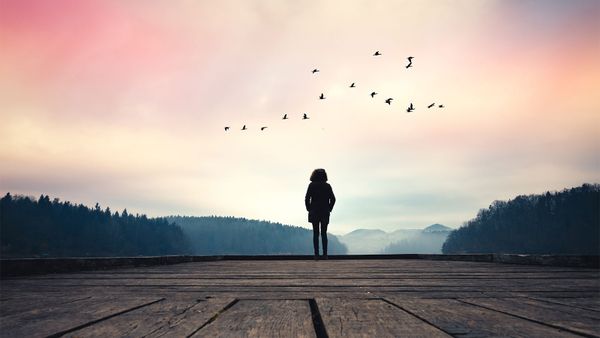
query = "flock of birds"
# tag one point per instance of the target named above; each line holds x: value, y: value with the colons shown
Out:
x: 389, y: 100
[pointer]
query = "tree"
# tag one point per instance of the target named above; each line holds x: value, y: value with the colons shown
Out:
x: 30, y: 228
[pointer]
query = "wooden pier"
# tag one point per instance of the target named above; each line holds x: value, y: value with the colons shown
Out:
x: 306, y: 298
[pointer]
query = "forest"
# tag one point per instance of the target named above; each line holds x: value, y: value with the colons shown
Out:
x: 44, y: 228
x: 215, y: 235
x: 564, y: 222
x: 52, y: 228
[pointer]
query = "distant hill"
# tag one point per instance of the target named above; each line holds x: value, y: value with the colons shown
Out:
x: 437, y: 228
x: 375, y: 241
x: 365, y: 232
x: 365, y: 241
x: 565, y: 222
x: 230, y: 235
x: 45, y: 228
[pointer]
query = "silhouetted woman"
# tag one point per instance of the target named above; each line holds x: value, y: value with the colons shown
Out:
x: 319, y: 201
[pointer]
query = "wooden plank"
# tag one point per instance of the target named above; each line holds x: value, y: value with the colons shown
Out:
x: 171, y: 317
x: 42, y: 322
x: 561, y: 316
x: 35, y: 301
x: 591, y: 303
x: 561, y: 294
x: 458, y: 318
x: 262, y: 318
x: 371, y: 318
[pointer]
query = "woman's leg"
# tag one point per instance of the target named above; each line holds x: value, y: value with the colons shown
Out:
x: 324, y: 237
x: 316, y: 237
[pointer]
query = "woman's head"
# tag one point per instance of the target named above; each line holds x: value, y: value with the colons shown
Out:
x: 318, y: 175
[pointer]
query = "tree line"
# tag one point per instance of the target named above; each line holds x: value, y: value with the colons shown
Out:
x: 565, y: 222
x: 44, y: 228
x: 216, y: 235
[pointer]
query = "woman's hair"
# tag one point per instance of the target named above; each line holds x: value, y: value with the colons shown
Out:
x: 318, y: 175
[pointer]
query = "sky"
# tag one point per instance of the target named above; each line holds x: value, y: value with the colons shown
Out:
x: 124, y: 103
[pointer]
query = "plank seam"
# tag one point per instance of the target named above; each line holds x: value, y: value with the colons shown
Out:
x: 213, y: 318
x: 574, y: 331
x: 318, y: 324
x: 62, y: 333
x: 416, y: 316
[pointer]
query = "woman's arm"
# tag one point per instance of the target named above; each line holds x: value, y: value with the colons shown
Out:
x: 331, y: 199
x: 307, y: 198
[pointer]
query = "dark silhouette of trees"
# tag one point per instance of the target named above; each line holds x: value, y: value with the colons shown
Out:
x: 45, y: 228
x: 30, y: 228
x: 565, y: 222
x: 229, y: 235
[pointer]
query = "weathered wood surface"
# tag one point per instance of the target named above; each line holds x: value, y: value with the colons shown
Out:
x: 62, y: 318
x: 458, y: 318
x: 371, y: 318
x: 560, y: 316
x: 368, y: 298
x: 172, y: 317
x: 263, y: 318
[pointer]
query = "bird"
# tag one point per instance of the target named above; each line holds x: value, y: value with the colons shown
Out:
x: 305, y: 117
x: 263, y: 128
x: 441, y: 106
x: 352, y: 85
x: 389, y: 101
x: 284, y: 117
x: 244, y: 127
x: 409, y: 61
x: 431, y: 105
x: 322, y: 97
x: 315, y: 70
x: 373, y: 94
x: 377, y: 53
x: 410, y: 108
x: 226, y: 128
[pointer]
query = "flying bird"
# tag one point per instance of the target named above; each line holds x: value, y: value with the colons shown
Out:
x: 315, y: 70
x: 389, y: 101
x: 226, y: 128
x: 305, y: 117
x: 377, y: 53
x: 352, y: 85
x: 441, y: 106
x: 409, y: 61
x: 284, y: 117
x: 410, y: 108
x: 373, y: 94
x: 244, y: 127
x: 322, y: 97
x: 263, y: 128
x: 431, y: 105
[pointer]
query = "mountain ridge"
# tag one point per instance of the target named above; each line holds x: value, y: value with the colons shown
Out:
x: 375, y: 241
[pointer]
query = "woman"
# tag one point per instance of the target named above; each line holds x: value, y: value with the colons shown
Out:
x: 319, y: 201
